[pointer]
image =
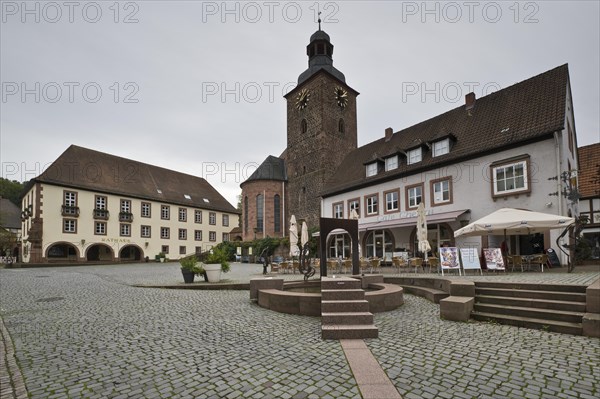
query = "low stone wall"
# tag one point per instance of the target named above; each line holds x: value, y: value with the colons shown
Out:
x: 591, y: 319
x: 271, y: 294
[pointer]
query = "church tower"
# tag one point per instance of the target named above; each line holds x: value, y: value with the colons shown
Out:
x: 321, y: 129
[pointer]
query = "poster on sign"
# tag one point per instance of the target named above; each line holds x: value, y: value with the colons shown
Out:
x: 493, y: 258
x: 449, y: 259
x: 470, y: 259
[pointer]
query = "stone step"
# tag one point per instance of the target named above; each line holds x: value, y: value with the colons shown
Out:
x: 542, y: 314
x: 355, y: 318
x: 347, y: 294
x: 349, y: 331
x: 340, y: 283
x: 344, y: 306
x: 532, y: 286
x: 538, y: 324
x: 532, y: 303
x: 534, y: 294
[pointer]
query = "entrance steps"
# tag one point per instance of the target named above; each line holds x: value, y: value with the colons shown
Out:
x: 344, y: 310
x: 551, y: 307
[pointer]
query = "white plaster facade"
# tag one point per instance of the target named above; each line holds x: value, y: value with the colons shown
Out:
x: 45, y: 202
x: 471, y: 193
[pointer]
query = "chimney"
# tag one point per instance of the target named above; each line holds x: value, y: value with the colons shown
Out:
x: 470, y: 101
x: 389, y: 132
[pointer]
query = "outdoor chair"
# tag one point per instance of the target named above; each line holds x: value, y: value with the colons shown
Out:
x: 347, y: 264
x: 284, y: 267
x: 515, y: 261
x: 295, y: 266
x: 416, y: 262
x: 434, y: 264
x: 364, y: 265
x: 274, y: 267
x: 539, y: 261
x: 399, y: 263
x: 375, y: 263
x: 331, y: 266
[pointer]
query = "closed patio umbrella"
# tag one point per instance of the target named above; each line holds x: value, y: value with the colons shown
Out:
x: 294, y: 250
x: 422, y: 230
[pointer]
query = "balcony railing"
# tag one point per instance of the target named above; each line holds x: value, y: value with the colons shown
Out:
x: 101, y: 214
x: 68, y: 210
x: 125, y: 217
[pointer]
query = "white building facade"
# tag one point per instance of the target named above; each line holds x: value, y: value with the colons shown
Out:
x: 123, y: 219
x: 503, y: 150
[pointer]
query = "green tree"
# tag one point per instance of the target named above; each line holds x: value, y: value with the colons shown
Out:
x: 11, y: 190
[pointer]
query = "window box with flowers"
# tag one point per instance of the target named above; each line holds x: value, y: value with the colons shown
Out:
x: 125, y: 217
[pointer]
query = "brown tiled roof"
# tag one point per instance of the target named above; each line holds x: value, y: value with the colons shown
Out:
x: 531, y: 110
x: 87, y: 169
x: 10, y: 214
x: 589, y: 170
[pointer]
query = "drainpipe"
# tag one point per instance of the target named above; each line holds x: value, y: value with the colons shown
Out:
x: 264, y: 213
x: 283, y: 217
x: 558, y: 171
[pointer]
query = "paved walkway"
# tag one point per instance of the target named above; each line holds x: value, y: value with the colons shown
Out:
x: 86, y: 332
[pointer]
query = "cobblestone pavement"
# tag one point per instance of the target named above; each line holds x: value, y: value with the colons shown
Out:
x: 85, y: 332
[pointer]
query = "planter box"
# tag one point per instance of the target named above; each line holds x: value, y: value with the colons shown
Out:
x: 213, y: 271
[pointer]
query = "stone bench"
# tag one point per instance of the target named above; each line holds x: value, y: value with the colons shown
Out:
x: 431, y: 294
x: 456, y: 308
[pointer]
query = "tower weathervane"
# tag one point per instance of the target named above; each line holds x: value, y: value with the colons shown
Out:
x: 319, y: 20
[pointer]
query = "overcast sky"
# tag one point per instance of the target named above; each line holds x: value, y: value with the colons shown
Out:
x: 197, y: 86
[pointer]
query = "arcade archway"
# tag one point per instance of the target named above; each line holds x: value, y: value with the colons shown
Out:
x: 100, y: 252
x: 130, y: 253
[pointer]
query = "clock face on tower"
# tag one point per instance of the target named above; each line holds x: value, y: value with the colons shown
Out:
x: 341, y: 97
x: 302, y: 99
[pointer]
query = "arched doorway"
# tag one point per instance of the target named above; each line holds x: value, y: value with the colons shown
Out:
x: 130, y: 253
x: 379, y: 243
x: 99, y: 252
x: 339, y: 245
x: 62, y: 251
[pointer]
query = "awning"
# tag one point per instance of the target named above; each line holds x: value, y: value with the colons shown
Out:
x: 412, y: 221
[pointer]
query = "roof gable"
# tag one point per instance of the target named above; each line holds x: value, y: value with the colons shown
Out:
x: 589, y: 170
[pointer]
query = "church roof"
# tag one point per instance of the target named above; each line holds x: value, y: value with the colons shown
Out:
x: 525, y: 112
x: 82, y: 168
x: 320, y: 53
x: 272, y: 168
x: 589, y: 170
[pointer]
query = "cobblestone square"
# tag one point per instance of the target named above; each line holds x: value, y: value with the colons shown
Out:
x: 87, y: 332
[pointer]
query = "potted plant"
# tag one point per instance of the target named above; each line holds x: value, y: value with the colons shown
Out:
x: 190, y: 268
x: 215, y: 262
x: 161, y: 257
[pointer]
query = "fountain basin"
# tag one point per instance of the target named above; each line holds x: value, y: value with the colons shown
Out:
x: 304, y: 298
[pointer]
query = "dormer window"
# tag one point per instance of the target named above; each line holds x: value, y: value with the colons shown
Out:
x: 414, y: 156
x: 371, y: 169
x: 391, y: 163
x: 441, y: 147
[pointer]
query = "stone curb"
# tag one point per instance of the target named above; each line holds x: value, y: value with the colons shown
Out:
x: 12, y: 384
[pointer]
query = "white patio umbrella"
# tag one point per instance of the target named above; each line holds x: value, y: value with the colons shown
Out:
x: 422, y: 230
x: 294, y: 250
x: 509, y: 221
